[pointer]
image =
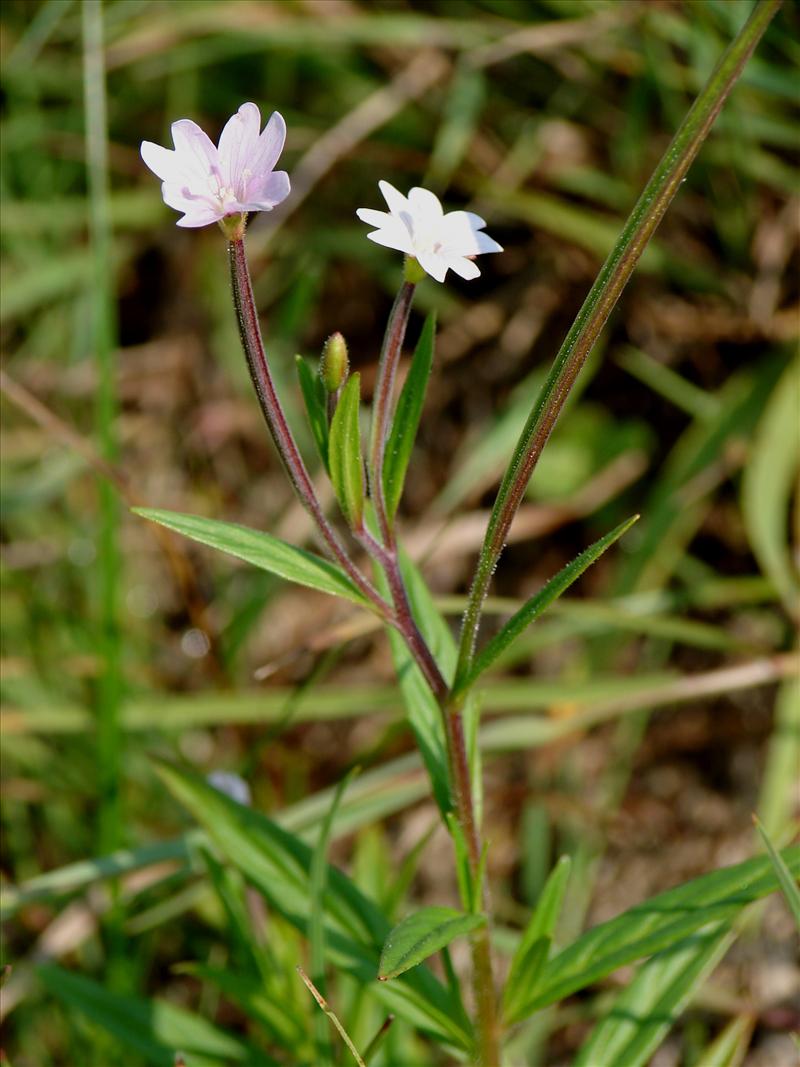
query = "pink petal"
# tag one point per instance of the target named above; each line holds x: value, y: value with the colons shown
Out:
x: 263, y: 194
x: 269, y: 147
x: 163, y: 162
x: 205, y: 218
x: 196, y: 154
x: 238, y: 145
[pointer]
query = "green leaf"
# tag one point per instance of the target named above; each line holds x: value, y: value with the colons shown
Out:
x: 316, y: 924
x: 407, y: 416
x: 420, y: 935
x: 344, y: 453
x: 262, y: 550
x: 316, y: 402
x: 729, y: 1048
x: 278, y: 864
x: 654, y: 925
x: 788, y: 884
x: 769, y: 479
x: 534, y: 948
x: 538, y: 603
x: 152, y: 1028
x: 640, y: 1017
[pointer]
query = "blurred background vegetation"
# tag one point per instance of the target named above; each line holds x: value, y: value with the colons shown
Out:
x: 123, y: 370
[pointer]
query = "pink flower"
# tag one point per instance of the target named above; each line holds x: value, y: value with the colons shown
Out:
x: 208, y: 183
x: 418, y: 226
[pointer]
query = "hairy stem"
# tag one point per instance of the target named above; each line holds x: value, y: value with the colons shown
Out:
x: 382, y: 404
x: 602, y: 297
x: 253, y: 346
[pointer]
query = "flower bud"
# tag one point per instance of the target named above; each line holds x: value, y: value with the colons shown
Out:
x: 334, y: 365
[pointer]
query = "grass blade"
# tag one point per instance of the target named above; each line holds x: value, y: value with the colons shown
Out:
x: 788, y: 884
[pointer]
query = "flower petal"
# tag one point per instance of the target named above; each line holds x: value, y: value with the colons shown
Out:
x: 426, y: 209
x: 396, y: 201
x: 461, y: 235
x: 197, y: 154
x: 269, y: 147
x: 263, y: 194
x: 163, y: 162
x: 393, y: 237
x: 433, y: 264
x: 200, y: 218
x: 464, y: 268
x: 238, y: 144
x: 373, y: 217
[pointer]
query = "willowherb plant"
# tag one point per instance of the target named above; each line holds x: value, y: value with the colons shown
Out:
x: 684, y: 931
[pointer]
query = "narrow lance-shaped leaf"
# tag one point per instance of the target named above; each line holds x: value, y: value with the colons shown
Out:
x: 533, y: 949
x: 344, y: 453
x: 612, y: 279
x: 638, y: 1020
x: 407, y: 416
x: 262, y: 550
x: 538, y: 603
x: 420, y: 935
x: 315, y: 399
x: 652, y: 926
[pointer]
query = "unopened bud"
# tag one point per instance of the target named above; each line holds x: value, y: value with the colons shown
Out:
x: 334, y: 365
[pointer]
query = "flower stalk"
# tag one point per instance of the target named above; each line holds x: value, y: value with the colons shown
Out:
x: 250, y: 334
x: 382, y: 404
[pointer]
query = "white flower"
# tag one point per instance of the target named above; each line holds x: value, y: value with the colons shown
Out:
x: 208, y: 183
x: 417, y: 226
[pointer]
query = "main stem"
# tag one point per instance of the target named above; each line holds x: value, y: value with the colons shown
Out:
x: 387, y: 556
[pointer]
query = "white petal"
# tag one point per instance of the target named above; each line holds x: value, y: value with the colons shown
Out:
x: 396, y: 201
x: 263, y: 194
x: 237, y: 144
x: 464, y: 268
x: 373, y: 217
x: 426, y: 209
x: 393, y: 236
x: 269, y: 147
x: 433, y: 264
x: 196, y: 153
x: 461, y: 235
